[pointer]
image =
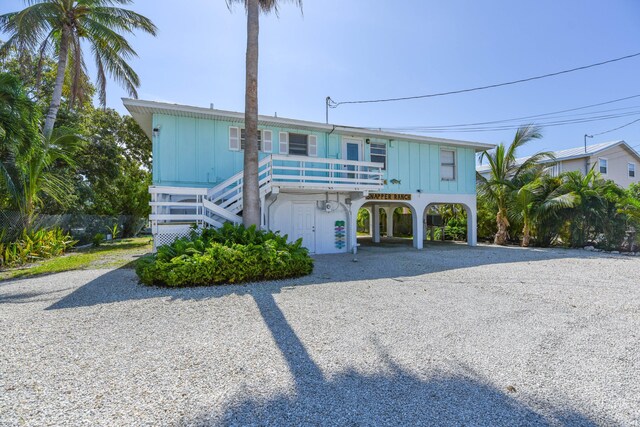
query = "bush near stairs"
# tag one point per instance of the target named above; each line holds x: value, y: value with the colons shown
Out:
x: 231, y: 254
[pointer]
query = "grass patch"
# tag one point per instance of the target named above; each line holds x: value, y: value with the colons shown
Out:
x: 121, y: 253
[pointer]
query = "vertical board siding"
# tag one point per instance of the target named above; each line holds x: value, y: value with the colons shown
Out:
x: 186, y: 153
x: 206, y: 154
x: 195, y: 152
x: 415, y: 183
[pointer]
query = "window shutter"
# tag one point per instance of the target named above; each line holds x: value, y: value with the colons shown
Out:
x: 313, y: 145
x: 234, y: 138
x: 267, y: 141
x: 284, y: 143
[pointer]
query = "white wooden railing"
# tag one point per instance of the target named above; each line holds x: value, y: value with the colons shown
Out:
x: 325, y: 174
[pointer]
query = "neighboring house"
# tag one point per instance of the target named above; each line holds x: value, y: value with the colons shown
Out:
x: 314, y: 177
x: 615, y: 160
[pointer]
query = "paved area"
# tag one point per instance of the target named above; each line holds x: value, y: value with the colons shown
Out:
x: 449, y: 335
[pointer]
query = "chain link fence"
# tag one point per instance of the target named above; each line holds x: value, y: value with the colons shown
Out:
x: 82, y: 227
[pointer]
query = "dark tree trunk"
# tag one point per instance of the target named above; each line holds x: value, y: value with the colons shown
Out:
x: 56, y: 97
x: 251, y: 192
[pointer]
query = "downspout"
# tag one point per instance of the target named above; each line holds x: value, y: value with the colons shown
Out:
x: 269, y: 212
x: 347, y: 209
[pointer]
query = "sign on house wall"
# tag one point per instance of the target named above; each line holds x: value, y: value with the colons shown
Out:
x: 388, y: 196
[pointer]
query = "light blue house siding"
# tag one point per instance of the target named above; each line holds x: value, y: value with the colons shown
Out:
x: 195, y: 152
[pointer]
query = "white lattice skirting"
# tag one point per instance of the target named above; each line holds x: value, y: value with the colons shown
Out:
x: 169, y: 233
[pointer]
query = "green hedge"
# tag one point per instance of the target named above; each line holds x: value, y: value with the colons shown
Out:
x: 231, y: 254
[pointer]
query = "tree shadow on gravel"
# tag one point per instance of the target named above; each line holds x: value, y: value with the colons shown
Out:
x: 396, y: 263
x: 392, y: 397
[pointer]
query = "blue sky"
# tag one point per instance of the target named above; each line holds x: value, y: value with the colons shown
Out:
x: 363, y: 49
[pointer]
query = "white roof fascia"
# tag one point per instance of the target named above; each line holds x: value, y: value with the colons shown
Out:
x: 140, y: 108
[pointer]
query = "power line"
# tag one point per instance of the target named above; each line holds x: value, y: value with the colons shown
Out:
x: 527, y: 117
x: 511, y: 123
x: 550, y: 123
x: 333, y: 104
x: 619, y: 127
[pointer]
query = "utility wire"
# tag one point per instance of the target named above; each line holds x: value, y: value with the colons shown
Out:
x: 550, y: 123
x: 619, y: 127
x: 333, y: 104
x: 550, y: 119
x: 525, y: 117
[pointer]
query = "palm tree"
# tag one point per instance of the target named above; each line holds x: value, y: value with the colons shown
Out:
x: 595, y: 204
x: 19, y: 121
x: 504, y: 171
x: 39, y: 176
x: 631, y: 208
x: 61, y: 26
x: 251, y: 186
x: 536, y: 199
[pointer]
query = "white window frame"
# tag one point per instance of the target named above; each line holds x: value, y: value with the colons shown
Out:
x: 385, y: 155
x: 631, y: 167
x: 260, y: 135
x: 454, y: 165
x: 606, y: 161
x: 284, y: 144
x: 267, y: 141
x: 235, y: 142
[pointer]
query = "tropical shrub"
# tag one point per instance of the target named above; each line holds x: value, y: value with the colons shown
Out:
x: 231, y: 254
x: 97, y: 239
x: 35, y: 245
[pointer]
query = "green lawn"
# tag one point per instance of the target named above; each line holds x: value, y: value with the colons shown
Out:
x: 121, y: 253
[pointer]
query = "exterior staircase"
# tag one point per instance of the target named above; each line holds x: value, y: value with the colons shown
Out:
x: 224, y: 202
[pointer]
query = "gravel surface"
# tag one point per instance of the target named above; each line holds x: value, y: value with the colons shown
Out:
x: 449, y: 335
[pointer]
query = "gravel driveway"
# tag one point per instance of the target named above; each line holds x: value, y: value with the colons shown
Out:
x: 449, y: 335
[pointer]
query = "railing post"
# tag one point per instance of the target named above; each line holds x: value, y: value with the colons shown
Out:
x: 271, y: 168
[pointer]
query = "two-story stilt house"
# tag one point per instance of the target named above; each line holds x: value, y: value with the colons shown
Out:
x: 314, y: 177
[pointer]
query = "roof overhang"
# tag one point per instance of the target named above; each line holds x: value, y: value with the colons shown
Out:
x: 143, y: 111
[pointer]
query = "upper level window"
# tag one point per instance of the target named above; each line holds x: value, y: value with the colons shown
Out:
x: 604, y: 166
x: 447, y: 165
x: 298, y: 144
x: 379, y: 153
x: 632, y: 170
x: 243, y: 135
x: 237, y: 138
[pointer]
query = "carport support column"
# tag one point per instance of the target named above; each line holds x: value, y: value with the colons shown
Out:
x: 418, y: 227
x: 472, y: 225
x: 389, y: 212
x: 375, y: 224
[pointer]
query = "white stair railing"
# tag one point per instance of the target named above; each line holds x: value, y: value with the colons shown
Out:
x: 228, y: 194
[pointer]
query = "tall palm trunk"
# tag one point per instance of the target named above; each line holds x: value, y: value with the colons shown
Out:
x: 503, y: 226
x: 251, y: 193
x: 526, y: 234
x: 56, y: 97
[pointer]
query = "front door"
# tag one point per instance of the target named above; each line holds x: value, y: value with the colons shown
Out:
x: 352, y: 149
x: 304, y: 224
